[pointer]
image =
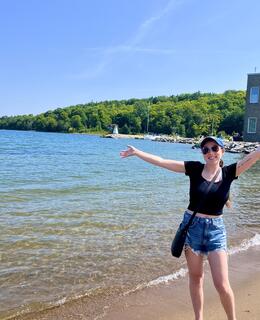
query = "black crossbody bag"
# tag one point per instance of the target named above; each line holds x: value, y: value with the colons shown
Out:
x: 180, y: 236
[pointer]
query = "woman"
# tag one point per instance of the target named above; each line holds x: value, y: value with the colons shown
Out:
x: 207, y: 234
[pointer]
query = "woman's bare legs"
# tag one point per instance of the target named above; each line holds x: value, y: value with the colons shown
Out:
x: 219, y: 270
x: 196, y: 275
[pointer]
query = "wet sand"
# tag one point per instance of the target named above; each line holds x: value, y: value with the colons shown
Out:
x: 171, y: 301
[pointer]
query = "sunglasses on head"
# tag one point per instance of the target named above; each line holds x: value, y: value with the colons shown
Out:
x: 206, y: 150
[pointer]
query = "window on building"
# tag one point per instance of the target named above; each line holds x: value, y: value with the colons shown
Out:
x: 251, y: 127
x: 254, y: 95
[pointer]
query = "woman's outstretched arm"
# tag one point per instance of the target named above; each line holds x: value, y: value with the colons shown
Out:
x: 248, y: 161
x: 173, y: 165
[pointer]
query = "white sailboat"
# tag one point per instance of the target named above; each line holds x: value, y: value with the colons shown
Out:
x: 149, y: 136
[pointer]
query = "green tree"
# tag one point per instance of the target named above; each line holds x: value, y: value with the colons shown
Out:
x: 76, y: 122
x: 233, y: 123
x: 51, y: 123
x: 188, y: 114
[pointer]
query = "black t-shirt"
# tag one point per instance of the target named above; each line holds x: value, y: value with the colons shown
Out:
x: 217, y: 196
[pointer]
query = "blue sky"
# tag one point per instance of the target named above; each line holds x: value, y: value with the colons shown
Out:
x: 56, y: 53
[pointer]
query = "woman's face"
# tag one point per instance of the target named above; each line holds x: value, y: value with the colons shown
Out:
x: 212, y: 152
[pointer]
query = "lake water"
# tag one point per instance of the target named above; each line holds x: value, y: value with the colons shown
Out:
x: 78, y: 221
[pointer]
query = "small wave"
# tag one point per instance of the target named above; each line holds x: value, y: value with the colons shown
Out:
x: 60, y: 302
x: 245, y: 244
x: 181, y: 273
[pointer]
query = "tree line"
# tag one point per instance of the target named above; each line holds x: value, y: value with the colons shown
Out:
x: 187, y: 115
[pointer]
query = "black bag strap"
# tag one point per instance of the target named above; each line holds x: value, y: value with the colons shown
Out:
x: 205, y: 194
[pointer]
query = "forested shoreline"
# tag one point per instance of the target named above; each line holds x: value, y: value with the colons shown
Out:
x: 187, y: 115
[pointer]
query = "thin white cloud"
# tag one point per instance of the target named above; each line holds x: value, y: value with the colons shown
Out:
x: 147, y: 25
x: 130, y: 48
x: 132, y: 45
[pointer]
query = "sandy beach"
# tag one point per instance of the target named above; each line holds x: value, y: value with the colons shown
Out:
x: 171, y: 301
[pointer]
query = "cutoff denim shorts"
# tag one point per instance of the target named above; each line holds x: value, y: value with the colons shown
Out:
x: 205, y: 234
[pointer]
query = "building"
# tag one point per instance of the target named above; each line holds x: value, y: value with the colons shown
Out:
x: 252, y: 112
x: 115, y: 129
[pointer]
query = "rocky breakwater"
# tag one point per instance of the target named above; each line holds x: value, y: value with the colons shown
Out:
x: 236, y: 147
x: 230, y: 146
x: 164, y: 138
x: 241, y: 146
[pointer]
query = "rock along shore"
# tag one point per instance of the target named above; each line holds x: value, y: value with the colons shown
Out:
x: 230, y: 146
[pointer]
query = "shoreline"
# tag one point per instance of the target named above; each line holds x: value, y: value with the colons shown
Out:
x: 163, y: 301
x: 230, y: 146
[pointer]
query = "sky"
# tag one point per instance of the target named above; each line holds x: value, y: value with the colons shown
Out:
x: 57, y: 53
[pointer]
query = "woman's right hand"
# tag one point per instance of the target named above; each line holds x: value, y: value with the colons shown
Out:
x: 130, y: 151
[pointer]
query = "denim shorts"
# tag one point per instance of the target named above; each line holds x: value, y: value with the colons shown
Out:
x: 205, y: 234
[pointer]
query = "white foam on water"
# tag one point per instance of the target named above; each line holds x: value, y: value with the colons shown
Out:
x: 61, y: 302
x: 181, y: 273
x: 245, y: 244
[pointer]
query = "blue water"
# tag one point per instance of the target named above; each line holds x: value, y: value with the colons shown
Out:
x: 77, y: 220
